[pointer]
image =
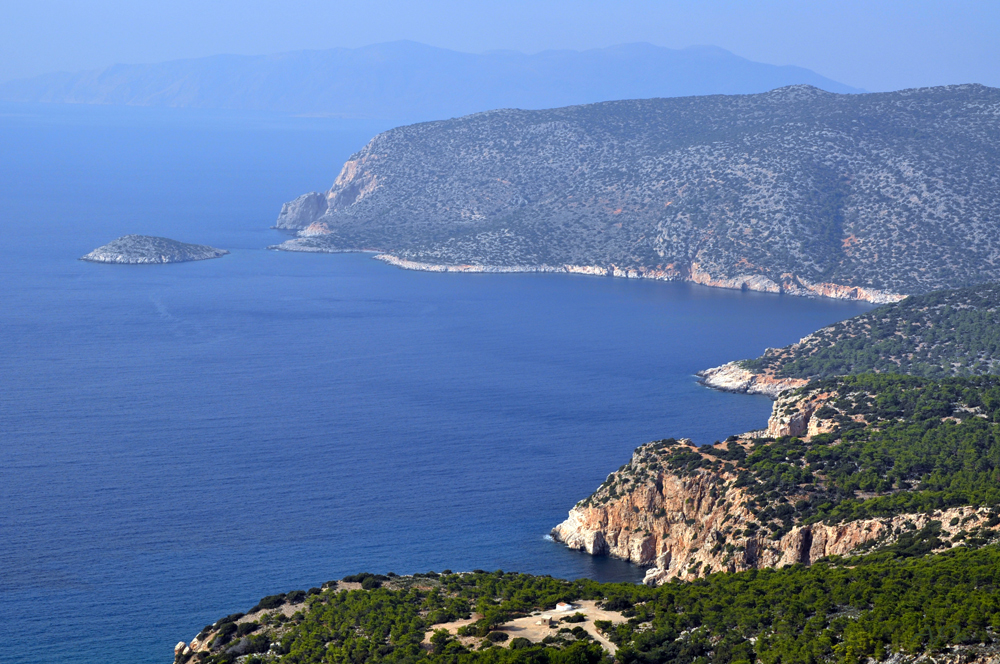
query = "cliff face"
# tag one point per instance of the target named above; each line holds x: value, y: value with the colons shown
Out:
x: 681, y: 509
x: 794, y: 191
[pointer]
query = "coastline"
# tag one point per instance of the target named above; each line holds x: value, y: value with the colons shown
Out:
x: 731, y: 377
x: 791, y: 285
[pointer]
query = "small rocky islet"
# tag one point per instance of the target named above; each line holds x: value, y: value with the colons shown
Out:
x: 148, y: 249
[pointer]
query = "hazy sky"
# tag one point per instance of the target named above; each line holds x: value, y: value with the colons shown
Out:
x: 866, y: 43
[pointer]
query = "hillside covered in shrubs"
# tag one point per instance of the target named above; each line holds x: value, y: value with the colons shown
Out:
x: 839, y: 610
x: 944, y: 333
x: 794, y: 190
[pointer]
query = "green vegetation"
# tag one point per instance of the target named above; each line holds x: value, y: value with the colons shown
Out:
x: 837, y: 611
x: 946, y: 333
x: 923, y: 445
x: 895, y: 445
x: 788, y: 189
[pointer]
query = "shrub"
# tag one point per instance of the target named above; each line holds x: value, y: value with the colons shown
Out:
x: 575, y: 618
x: 269, y: 602
x: 245, y: 628
x: 497, y: 637
x: 295, y: 597
x: 371, y: 583
x: 520, y: 643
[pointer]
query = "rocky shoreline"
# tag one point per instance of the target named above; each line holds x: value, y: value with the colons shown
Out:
x: 682, y: 524
x: 312, y: 242
x: 790, y: 286
x: 731, y: 377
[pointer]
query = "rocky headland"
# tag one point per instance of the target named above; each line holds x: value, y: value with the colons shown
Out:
x: 733, y: 377
x: 768, y: 498
x: 951, y: 332
x: 795, y: 191
x: 145, y: 249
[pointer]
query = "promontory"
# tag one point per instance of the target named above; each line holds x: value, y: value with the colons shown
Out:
x: 137, y: 249
x: 797, y: 190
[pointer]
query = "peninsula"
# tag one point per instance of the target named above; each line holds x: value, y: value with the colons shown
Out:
x: 140, y: 249
x: 799, y: 191
x: 953, y: 332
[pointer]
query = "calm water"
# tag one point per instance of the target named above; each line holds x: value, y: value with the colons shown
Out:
x: 178, y: 441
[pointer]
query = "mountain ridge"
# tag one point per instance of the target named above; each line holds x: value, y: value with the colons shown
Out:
x: 408, y: 81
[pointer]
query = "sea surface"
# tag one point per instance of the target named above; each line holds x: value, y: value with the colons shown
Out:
x: 177, y: 441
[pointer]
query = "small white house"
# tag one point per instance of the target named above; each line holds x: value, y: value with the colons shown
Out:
x: 564, y: 606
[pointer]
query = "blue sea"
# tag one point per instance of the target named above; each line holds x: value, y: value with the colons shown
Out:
x: 177, y: 441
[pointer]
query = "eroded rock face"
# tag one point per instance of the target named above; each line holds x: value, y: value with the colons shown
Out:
x: 301, y: 212
x: 683, y: 523
x: 140, y: 249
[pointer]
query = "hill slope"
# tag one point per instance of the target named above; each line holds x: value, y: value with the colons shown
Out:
x: 943, y: 606
x: 944, y: 333
x: 795, y: 190
x: 408, y: 82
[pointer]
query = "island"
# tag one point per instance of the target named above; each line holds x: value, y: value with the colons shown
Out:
x: 140, y: 249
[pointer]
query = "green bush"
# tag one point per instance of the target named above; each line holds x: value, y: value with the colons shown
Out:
x: 246, y: 628
x: 269, y: 602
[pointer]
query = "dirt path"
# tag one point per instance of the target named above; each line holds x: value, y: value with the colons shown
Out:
x: 528, y: 629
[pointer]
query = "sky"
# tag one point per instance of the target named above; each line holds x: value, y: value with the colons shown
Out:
x: 871, y: 44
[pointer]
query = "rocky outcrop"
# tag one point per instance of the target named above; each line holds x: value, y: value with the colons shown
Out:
x: 683, y: 527
x: 139, y: 249
x: 303, y: 211
x: 731, y: 377
x: 686, y: 511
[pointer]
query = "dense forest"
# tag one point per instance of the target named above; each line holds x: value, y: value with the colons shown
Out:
x: 896, y: 445
x: 840, y: 610
x: 944, y: 333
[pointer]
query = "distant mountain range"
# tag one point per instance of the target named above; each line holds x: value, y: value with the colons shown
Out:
x: 407, y: 81
x: 797, y: 190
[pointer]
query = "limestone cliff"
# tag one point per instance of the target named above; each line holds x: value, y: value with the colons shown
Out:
x: 685, y: 510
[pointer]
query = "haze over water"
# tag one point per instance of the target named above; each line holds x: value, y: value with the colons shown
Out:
x: 180, y: 440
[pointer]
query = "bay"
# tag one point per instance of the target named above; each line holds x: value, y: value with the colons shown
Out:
x: 177, y: 441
